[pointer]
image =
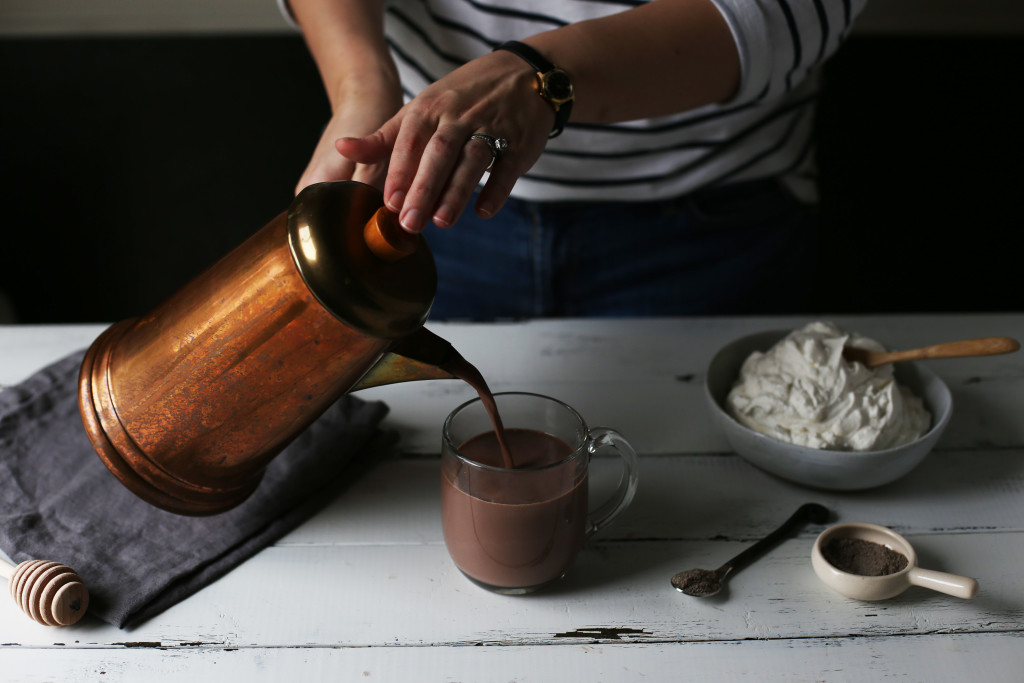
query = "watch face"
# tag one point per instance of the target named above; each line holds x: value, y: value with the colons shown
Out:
x: 558, y: 85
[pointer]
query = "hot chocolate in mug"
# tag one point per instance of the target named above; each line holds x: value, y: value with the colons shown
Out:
x: 513, y: 529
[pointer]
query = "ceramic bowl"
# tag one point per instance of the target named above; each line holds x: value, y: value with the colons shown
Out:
x: 818, y: 468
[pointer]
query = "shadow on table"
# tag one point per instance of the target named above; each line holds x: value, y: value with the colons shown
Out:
x: 601, y: 564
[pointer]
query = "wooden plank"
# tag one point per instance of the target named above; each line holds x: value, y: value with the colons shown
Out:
x: 634, y: 348
x: 646, y: 378
x: 700, y: 497
x: 671, y: 415
x: 658, y: 346
x: 994, y: 658
x: 370, y: 596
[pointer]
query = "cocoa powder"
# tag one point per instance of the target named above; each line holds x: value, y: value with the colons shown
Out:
x: 865, y: 558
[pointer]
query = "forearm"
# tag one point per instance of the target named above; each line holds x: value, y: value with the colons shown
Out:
x: 346, y: 39
x: 656, y: 59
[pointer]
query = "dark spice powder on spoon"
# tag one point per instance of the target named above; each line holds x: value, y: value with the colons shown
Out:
x: 865, y: 558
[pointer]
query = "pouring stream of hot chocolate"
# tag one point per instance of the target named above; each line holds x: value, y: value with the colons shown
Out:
x: 468, y: 373
x: 426, y: 347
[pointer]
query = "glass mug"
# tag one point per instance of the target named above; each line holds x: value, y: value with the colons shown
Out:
x: 515, y: 530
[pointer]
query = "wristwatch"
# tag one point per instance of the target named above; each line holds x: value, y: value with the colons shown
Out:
x: 553, y: 83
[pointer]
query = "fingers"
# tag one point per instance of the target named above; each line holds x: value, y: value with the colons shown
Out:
x: 496, y: 191
x: 425, y: 148
x: 474, y: 157
x: 400, y: 147
x: 431, y: 174
x: 432, y: 177
x: 448, y: 172
x: 409, y: 154
x: 434, y: 164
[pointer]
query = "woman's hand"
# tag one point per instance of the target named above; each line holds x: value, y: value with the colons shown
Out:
x: 617, y: 63
x: 356, y: 114
x: 346, y: 39
x: 434, y: 166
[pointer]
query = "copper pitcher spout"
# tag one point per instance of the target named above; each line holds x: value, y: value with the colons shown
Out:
x: 188, y: 404
x: 421, y: 355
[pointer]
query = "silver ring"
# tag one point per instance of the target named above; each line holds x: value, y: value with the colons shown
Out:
x: 498, y: 146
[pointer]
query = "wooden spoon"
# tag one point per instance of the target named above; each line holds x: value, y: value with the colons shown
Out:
x: 49, y: 592
x: 986, y: 346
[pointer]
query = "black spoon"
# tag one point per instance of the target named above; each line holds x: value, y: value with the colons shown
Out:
x: 703, y: 583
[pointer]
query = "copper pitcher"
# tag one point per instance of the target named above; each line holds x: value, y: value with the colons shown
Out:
x: 187, y: 405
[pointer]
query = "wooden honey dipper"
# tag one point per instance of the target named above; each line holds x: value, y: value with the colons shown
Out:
x: 49, y: 592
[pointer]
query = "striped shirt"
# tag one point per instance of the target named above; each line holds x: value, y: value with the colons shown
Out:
x: 765, y: 130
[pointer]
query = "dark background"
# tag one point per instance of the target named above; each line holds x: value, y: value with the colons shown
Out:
x: 131, y: 164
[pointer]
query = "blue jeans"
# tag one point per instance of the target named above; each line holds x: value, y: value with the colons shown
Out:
x: 742, y: 249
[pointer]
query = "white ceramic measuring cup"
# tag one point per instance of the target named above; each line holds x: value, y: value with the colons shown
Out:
x: 890, y: 585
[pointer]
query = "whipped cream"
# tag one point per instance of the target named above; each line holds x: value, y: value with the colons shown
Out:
x: 804, y: 392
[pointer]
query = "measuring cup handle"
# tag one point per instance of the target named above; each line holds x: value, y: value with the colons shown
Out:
x: 950, y: 584
x: 602, y: 437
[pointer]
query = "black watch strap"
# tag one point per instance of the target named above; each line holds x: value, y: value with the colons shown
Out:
x: 528, y: 54
x: 562, y: 101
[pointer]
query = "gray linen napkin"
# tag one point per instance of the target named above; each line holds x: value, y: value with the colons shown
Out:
x: 59, y: 502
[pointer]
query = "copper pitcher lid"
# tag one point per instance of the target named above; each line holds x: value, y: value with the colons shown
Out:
x: 383, y: 298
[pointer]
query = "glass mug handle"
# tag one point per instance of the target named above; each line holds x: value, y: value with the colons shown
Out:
x: 605, y: 514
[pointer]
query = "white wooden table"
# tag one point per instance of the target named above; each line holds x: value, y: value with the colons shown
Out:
x: 366, y: 591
